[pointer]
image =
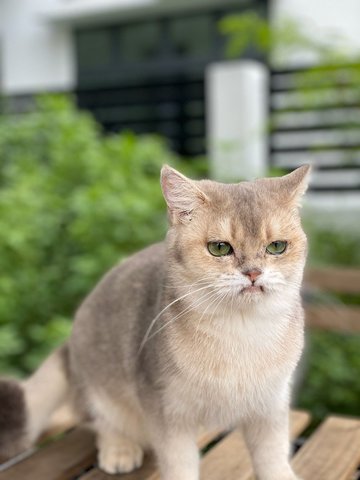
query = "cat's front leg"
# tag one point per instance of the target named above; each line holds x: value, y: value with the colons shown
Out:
x: 267, y: 438
x: 177, y: 454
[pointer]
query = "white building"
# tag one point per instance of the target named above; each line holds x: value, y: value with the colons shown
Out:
x: 37, y: 49
x: 40, y: 42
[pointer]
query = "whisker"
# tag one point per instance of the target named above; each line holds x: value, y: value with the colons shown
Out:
x: 212, y: 299
x: 187, y: 309
x: 163, y: 310
x: 224, y: 295
x: 232, y: 304
x: 224, y: 299
x: 189, y: 285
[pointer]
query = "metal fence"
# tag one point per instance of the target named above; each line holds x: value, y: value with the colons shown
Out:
x: 172, y: 107
x: 146, y: 74
x: 315, y: 117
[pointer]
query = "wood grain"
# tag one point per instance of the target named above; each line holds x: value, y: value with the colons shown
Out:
x: 333, y: 317
x: 332, y: 452
x: 337, y: 280
x: 230, y: 460
x: 60, y: 460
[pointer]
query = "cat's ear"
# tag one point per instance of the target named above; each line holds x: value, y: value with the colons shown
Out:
x: 296, y: 183
x: 181, y: 194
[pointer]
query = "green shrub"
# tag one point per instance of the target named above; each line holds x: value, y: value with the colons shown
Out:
x: 332, y: 359
x: 331, y: 383
x: 337, y: 247
x: 72, y: 203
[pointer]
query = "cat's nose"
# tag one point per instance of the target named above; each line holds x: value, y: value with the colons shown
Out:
x: 252, y: 274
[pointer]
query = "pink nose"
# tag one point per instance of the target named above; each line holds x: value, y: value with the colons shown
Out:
x: 252, y: 274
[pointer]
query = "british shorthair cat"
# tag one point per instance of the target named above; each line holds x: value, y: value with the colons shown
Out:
x: 203, y: 329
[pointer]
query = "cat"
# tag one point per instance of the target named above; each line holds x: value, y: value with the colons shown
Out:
x: 205, y: 328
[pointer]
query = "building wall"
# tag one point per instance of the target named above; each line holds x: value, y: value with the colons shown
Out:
x: 38, y: 54
x: 334, y: 23
x: 35, y: 55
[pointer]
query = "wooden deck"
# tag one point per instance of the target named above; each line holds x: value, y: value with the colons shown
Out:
x: 332, y: 452
x: 330, y: 313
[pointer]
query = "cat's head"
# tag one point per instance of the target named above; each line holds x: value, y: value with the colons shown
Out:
x: 244, y: 241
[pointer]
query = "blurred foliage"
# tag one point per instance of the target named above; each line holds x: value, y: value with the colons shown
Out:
x: 72, y: 203
x: 333, y: 247
x: 332, y: 359
x: 250, y: 31
x: 323, y: 81
x: 332, y: 380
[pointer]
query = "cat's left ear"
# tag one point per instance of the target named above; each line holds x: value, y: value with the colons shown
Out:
x: 181, y: 194
x: 296, y: 183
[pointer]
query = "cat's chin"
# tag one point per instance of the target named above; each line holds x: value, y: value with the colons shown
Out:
x: 252, y: 290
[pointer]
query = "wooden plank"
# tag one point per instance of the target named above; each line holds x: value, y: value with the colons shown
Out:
x: 148, y: 470
x: 333, y: 317
x: 337, y: 280
x: 230, y: 459
x: 332, y: 452
x: 142, y: 473
x: 60, y: 460
x: 227, y: 460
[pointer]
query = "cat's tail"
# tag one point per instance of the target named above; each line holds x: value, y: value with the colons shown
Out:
x: 26, y: 407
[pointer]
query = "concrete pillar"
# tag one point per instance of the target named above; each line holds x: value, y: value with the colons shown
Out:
x: 237, y: 114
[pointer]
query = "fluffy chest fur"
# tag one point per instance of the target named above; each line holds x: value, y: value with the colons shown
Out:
x: 233, y: 367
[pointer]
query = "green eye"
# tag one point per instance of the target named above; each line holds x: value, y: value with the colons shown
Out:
x: 219, y: 249
x: 276, y: 248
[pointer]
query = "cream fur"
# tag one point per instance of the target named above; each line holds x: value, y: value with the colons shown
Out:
x: 48, y: 382
x: 173, y: 339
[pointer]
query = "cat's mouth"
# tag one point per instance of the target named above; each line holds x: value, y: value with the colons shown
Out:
x: 253, y: 289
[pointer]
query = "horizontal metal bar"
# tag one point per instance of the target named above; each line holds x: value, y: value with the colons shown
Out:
x: 326, y: 168
x: 335, y: 188
x: 341, y: 127
x: 355, y: 148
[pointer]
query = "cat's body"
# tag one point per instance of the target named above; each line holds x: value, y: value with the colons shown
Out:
x: 177, y: 337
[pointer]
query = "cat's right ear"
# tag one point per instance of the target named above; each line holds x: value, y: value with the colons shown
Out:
x: 296, y: 183
x: 181, y: 195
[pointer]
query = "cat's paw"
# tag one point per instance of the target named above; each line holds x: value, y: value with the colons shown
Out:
x: 122, y: 457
